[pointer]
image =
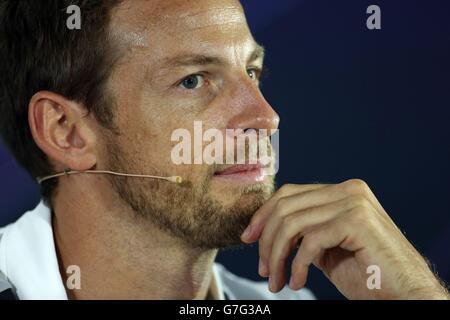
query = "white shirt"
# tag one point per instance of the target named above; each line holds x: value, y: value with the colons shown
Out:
x: 28, y: 262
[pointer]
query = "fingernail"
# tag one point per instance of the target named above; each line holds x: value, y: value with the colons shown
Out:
x: 291, y: 283
x: 247, y: 232
x: 272, y: 284
x: 262, y: 269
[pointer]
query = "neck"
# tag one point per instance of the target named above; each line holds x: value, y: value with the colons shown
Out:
x: 124, y: 256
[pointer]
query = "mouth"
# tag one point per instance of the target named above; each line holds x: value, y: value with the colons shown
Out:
x: 243, y: 173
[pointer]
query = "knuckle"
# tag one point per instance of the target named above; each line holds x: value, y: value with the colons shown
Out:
x: 360, y: 215
x: 286, y: 189
x: 281, y: 202
x: 286, y: 226
x: 358, y: 183
x: 289, y: 220
x: 358, y: 200
x: 355, y: 186
x: 281, y: 205
x: 263, y: 246
x: 276, y: 262
x: 275, y: 221
x: 263, y: 253
x: 309, y: 244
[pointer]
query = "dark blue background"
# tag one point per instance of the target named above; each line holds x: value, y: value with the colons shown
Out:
x: 354, y: 103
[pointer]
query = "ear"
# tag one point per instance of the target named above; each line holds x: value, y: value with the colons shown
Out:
x: 61, y: 129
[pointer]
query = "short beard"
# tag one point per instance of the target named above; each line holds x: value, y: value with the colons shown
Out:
x: 188, y: 213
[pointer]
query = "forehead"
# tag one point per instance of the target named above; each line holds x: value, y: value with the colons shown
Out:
x: 175, y: 23
x: 191, y: 14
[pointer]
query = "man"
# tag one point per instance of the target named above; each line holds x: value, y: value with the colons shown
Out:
x: 108, y: 97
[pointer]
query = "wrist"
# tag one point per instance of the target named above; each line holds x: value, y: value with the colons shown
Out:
x: 430, y: 293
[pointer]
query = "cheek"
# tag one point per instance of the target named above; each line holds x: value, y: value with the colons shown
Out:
x: 149, y: 125
x: 146, y: 139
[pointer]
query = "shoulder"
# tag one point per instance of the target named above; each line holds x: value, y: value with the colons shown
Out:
x: 31, y: 235
x: 239, y: 288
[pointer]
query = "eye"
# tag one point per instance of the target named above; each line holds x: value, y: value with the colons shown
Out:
x: 253, y: 73
x: 193, y: 82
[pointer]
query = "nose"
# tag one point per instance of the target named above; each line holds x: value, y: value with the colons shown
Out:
x: 252, y: 110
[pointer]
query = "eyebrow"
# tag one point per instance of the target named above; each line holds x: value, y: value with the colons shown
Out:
x: 203, y: 60
x: 257, y: 54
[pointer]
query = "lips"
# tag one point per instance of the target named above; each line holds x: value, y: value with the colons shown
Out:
x: 243, y: 173
x: 239, y: 169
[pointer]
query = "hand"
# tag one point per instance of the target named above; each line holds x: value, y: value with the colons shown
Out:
x: 343, y: 230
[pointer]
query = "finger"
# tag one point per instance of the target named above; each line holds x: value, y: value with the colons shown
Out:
x: 254, y: 229
x: 310, y: 213
x: 335, y: 233
x: 359, y: 187
x: 311, y: 196
x: 276, y: 248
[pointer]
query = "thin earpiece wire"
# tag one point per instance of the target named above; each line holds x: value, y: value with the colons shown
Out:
x: 174, y: 179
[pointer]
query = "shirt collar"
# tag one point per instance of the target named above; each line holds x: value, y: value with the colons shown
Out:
x: 28, y: 258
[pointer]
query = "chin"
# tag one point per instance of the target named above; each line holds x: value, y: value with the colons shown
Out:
x: 244, y: 198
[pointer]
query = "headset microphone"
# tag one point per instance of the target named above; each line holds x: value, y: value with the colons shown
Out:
x: 174, y: 179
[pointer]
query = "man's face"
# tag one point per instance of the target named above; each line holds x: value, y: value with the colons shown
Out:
x: 184, y: 62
